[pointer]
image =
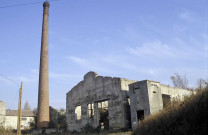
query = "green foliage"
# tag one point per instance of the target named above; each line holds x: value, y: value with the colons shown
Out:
x: 61, y: 121
x: 188, y: 117
x: 33, y: 124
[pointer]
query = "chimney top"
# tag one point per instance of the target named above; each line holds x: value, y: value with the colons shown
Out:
x: 46, y: 4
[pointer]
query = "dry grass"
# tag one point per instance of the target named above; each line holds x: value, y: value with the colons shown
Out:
x: 184, y: 118
x: 103, y: 133
x: 6, y: 131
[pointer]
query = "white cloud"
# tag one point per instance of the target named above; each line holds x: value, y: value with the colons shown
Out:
x: 155, y: 48
x: 178, y: 49
x: 91, y: 64
x: 35, y: 71
x: 62, y: 76
x: 27, y: 79
x: 186, y: 15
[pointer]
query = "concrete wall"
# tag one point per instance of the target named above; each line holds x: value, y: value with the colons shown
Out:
x: 11, y: 122
x: 155, y: 96
x: 147, y: 95
x: 175, y: 92
x: 94, y: 89
x: 2, y: 112
x: 139, y: 100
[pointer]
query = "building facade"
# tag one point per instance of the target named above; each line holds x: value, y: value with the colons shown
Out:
x: 11, y: 118
x: 8, y: 118
x: 148, y: 97
x: 115, y: 102
x: 96, y: 100
x: 2, y: 112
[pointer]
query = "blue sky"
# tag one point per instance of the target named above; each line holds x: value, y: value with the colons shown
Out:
x: 133, y: 39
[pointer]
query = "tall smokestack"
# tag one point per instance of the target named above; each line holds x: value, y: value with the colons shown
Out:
x: 43, y: 96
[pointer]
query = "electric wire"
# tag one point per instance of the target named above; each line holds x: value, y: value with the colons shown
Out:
x: 10, y: 80
x: 14, y: 98
x: 25, y: 4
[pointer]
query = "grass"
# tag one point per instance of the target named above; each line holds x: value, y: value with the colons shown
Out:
x: 101, y: 133
x: 184, y: 118
x: 6, y: 131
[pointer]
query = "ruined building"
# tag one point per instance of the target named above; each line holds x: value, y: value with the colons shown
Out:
x: 115, y: 102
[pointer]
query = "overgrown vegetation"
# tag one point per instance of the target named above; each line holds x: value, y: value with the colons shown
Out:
x: 188, y: 117
x: 6, y: 131
x: 61, y: 122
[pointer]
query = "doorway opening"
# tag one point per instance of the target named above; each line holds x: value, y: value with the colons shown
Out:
x: 166, y: 100
x: 103, y: 114
x: 140, y: 115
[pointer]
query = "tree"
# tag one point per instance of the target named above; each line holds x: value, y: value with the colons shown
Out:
x: 201, y: 83
x: 33, y: 124
x: 179, y: 81
x: 61, y: 120
x: 27, y: 106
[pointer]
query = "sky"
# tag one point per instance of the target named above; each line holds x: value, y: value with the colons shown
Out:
x: 132, y: 39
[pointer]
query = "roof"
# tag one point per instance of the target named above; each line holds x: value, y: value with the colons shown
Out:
x: 25, y: 113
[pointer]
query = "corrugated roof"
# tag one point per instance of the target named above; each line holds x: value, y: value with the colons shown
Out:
x: 25, y: 113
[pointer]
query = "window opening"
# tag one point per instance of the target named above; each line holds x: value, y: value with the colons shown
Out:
x: 78, y: 113
x: 24, y: 118
x: 91, y: 110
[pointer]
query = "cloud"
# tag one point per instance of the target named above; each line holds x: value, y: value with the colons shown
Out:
x: 62, y: 76
x: 91, y: 64
x: 30, y: 77
x: 186, y: 15
x: 35, y: 71
x: 178, y: 49
x: 155, y: 48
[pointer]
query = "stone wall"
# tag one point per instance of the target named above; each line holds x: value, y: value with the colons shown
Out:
x: 94, y: 89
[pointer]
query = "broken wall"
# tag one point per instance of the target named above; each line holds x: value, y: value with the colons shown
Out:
x: 94, y: 89
x: 2, y: 112
x: 147, y: 96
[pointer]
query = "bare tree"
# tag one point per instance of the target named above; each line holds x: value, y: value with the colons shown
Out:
x: 201, y: 83
x: 179, y: 81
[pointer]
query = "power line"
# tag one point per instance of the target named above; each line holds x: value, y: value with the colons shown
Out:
x: 10, y: 79
x: 25, y: 4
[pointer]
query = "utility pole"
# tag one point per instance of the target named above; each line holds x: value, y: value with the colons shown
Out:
x: 19, y: 111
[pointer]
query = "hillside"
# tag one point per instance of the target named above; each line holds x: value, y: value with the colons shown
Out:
x: 183, y: 118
